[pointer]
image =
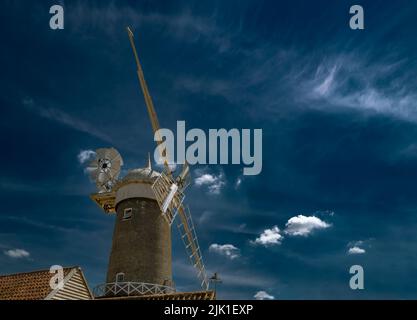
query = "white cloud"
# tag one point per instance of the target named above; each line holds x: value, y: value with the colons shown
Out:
x: 213, y: 182
x: 263, y: 295
x: 303, y: 225
x: 269, y: 237
x: 356, y: 250
x: 17, y: 253
x: 85, y: 155
x: 205, y: 179
x: 228, y: 250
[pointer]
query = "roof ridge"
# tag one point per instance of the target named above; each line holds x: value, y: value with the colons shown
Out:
x: 35, y: 271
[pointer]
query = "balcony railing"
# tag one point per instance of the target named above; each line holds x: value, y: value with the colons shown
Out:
x: 130, y: 289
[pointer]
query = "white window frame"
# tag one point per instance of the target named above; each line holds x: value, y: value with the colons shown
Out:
x: 118, y: 275
x: 127, y: 216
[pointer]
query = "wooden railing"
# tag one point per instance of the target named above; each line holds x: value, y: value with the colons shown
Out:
x: 130, y: 289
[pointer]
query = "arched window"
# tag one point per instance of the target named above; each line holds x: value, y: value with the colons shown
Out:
x: 120, y: 277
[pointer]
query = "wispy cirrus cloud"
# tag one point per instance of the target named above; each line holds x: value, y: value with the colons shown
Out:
x: 325, y: 87
x: 66, y: 119
x: 344, y: 80
x: 183, y: 24
x: 209, y: 86
x: 369, y: 87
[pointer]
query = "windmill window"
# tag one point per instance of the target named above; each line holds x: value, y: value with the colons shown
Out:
x: 127, y: 213
x: 120, y: 277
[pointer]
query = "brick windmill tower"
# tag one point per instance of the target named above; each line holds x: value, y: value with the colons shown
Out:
x: 146, y: 203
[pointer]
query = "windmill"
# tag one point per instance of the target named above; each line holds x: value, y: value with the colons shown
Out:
x: 166, y: 181
x: 146, y: 204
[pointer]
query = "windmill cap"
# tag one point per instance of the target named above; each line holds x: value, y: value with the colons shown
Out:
x: 147, y: 174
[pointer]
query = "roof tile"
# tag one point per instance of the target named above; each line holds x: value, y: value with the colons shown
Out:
x: 26, y: 286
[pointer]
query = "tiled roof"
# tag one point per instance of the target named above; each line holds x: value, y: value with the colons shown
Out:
x: 26, y: 286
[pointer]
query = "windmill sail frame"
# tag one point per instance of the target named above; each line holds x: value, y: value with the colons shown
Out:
x: 185, y: 217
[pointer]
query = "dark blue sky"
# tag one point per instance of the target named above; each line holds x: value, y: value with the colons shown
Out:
x: 339, y: 117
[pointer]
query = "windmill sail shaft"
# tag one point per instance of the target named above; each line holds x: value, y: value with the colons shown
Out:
x: 148, y: 100
x: 190, y: 239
